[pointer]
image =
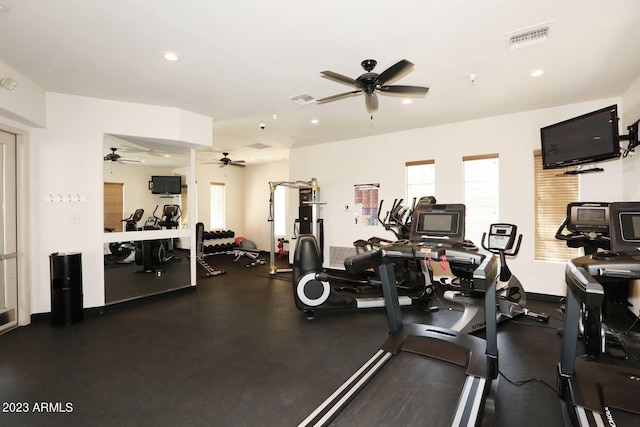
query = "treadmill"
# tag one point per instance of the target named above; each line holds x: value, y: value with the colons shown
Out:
x: 598, y: 390
x: 437, y: 235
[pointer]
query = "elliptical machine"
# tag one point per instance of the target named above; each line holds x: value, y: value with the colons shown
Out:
x: 313, y: 291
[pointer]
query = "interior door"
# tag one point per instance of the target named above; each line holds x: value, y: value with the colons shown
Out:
x: 8, y: 240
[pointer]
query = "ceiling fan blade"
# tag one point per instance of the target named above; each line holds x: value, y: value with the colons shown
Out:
x: 121, y: 160
x: 338, y: 96
x: 410, y: 90
x: 371, y: 101
x: 338, y: 77
x: 235, y: 163
x: 395, y: 70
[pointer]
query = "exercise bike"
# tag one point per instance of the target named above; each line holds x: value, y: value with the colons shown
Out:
x: 510, y: 294
x: 124, y: 252
x: 586, y: 226
x: 598, y: 388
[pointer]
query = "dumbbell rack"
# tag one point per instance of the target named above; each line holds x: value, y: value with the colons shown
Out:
x: 219, y: 248
x: 200, y: 233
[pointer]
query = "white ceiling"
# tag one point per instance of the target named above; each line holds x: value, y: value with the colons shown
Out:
x: 240, y: 61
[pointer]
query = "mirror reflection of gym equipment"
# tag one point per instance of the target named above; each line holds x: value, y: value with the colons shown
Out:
x: 151, y: 256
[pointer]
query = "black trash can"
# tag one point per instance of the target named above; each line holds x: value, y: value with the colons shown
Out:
x: 66, y: 288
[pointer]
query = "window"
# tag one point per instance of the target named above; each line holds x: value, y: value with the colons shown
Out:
x: 481, y: 194
x: 553, y: 193
x: 421, y: 179
x: 216, y: 201
x: 279, y: 211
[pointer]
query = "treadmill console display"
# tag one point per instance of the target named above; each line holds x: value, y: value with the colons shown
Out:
x: 630, y: 227
x: 625, y: 227
x: 438, y: 223
x: 587, y: 217
x: 433, y: 223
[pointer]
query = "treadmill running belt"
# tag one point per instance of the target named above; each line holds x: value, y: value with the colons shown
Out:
x: 409, y: 390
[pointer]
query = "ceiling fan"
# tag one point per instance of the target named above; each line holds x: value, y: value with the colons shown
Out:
x: 369, y: 83
x: 115, y: 157
x: 225, y: 161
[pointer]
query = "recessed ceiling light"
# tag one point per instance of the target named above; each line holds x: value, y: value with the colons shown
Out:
x: 4, y: 8
x: 537, y: 73
x: 315, y: 121
x: 407, y: 101
x: 170, y: 56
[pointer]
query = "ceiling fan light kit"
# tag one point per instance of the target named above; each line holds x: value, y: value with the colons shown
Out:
x: 370, y: 83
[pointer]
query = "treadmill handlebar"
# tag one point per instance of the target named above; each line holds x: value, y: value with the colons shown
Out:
x: 484, y: 264
x: 583, y: 285
x: 364, y: 261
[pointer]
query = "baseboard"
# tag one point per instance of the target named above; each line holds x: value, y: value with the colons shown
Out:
x: 120, y: 305
x: 545, y: 297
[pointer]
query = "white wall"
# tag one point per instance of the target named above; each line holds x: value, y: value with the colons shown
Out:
x: 68, y: 159
x: 25, y: 103
x: 381, y: 159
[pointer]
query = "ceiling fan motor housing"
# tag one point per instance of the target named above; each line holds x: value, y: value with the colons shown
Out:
x: 367, y: 82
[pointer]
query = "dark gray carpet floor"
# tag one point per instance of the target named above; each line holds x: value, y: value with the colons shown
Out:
x: 236, y: 352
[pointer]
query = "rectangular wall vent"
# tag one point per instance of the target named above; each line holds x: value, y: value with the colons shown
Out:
x: 528, y: 37
x: 337, y: 255
x: 303, y: 98
x: 259, y: 146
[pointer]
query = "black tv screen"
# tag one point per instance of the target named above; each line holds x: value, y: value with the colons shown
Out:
x: 589, y: 138
x: 166, y: 184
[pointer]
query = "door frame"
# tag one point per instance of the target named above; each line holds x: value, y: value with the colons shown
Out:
x: 23, y: 221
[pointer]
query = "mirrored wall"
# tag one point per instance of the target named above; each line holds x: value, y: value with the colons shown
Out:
x: 146, y: 203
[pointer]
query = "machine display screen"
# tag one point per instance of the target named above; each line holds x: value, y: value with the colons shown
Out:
x: 630, y: 226
x: 587, y: 217
x: 438, y: 223
x: 591, y: 215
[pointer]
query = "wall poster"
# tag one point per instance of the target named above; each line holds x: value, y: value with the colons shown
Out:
x: 366, y: 199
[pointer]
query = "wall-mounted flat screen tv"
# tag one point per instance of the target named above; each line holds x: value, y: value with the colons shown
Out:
x: 589, y: 138
x: 166, y: 184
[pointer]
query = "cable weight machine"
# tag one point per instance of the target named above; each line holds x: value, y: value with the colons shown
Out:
x: 312, y: 200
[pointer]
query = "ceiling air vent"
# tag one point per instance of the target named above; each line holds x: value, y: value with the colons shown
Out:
x: 528, y: 36
x: 303, y: 98
x: 259, y: 146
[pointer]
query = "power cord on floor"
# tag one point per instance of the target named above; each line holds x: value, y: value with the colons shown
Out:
x: 523, y: 382
x: 632, y: 325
